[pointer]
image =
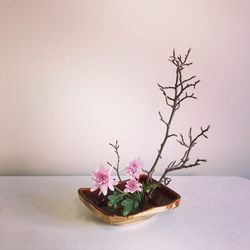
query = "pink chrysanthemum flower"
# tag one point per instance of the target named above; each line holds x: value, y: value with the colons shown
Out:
x: 132, y: 186
x: 134, y: 167
x: 102, y: 179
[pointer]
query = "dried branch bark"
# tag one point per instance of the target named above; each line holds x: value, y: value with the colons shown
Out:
x: 185, y: 159
x: 116, y: 168
x: 174, y: 100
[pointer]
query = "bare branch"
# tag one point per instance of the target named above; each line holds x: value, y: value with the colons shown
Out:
x: 167, y: 180
x: 165, y: 87
x: 174, y: 96
x: 177, y: 106
x: 188, y: 79
x: 182, y: 141
x: 161, y: 119
x: 110, y: 164
x: 172, y: 135
x: 186, y: 97
x: 167, y: 98
x: 170, y: 165
x: 185, y: 158
x: 190, y: 135
x: 186, y: 56
x: 159, y: 154
x: 145, y: 171
x: 116, y: 147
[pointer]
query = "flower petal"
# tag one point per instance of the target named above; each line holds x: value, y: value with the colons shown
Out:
x: 93, y: 188
x: 111, y: 187
x: 104, y: 189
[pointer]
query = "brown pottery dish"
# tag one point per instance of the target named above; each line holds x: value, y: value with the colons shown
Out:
x: 163, y: 198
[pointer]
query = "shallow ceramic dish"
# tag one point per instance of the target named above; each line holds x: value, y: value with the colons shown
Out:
x: 163, y: 199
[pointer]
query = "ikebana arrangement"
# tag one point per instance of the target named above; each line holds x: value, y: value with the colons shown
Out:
x: 118, y: 201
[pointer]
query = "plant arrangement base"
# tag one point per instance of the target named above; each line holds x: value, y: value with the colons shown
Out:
x: 163, y: 199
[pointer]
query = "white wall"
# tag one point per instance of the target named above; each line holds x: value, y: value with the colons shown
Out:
x: 76, y: 75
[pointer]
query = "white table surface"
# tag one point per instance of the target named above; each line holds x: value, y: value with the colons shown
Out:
x: 46, y: 213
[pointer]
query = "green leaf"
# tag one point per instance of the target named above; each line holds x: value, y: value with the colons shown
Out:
x: 116, y: 192
x: 115, y: 199
x: 130, y: 205
x: 150, y: 186
x: 136, y: 205
x: 126, y: 202
x: 138, y: 196
x: 127, y: 206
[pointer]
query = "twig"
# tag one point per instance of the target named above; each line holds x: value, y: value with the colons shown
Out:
x: 184, y: 160
x: 116, y: 147
x: 173, y: 100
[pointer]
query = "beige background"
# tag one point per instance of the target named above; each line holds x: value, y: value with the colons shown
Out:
x: 76, y: 75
